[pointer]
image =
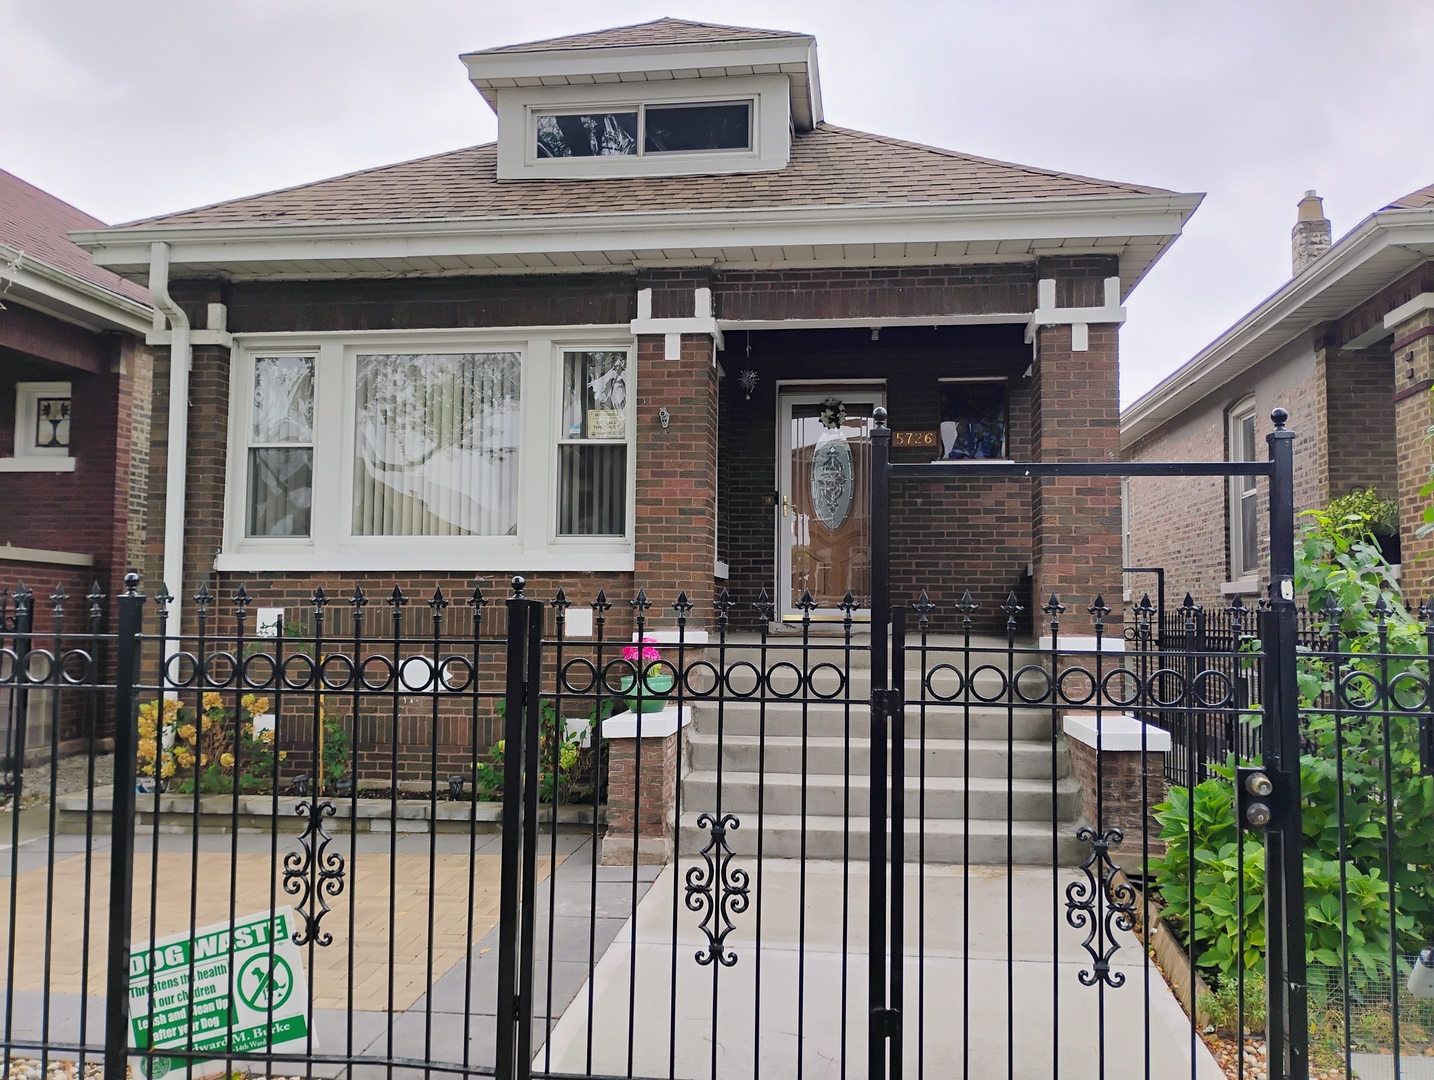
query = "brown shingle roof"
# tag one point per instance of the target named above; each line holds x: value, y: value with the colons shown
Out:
x: 1415, y: 200
x: 657, y: 32
x: 830, y: 166
x: 36, y: 223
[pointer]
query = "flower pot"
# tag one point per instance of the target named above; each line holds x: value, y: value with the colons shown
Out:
x: 655, y: 688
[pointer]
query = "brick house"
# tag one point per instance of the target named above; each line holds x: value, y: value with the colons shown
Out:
x: 666, y: 297
x: 74, y: 414
x: 1345, y: 346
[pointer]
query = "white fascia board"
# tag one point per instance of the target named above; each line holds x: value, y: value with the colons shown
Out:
x: 80, y: 301
x: 485, y: 67
x: 648, y: 63
x: 1273, y: 323
x: 234, y: 246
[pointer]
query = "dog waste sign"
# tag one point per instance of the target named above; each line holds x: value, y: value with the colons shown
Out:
x: 215, y: 991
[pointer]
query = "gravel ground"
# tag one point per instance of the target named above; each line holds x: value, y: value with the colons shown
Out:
x: 72, y: 776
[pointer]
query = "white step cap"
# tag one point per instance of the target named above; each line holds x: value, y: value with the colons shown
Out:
x: 1118, y: 731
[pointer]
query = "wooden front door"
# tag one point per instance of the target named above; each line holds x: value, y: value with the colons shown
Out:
x: 823, y: 523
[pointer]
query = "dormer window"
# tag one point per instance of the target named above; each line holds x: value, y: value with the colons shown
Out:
x: 687, y: 127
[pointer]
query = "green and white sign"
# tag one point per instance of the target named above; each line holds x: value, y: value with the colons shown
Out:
x: 198, y: 1002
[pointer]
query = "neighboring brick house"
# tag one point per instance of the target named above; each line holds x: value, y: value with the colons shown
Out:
x: 1320, y: 347
x: 643, y: 294
x: 74, y: 415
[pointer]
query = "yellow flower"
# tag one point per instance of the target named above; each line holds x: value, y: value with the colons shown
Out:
x: 204, y: 759
x: 186, y: 732
x: 185, y: 758
x: 149, y: 711
x: 255, y: 705
x: 283, y: 755
x: 171, y: 709
x: 168, y: 768
x: 146, y: 727
x: 213, y: 701
x: 226, y: 759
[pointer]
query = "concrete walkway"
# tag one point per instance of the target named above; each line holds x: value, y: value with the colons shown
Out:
x: 804, y: 993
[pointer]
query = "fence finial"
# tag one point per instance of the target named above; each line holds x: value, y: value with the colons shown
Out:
x: 878, y: 416
x: 519, y: 584
x: 131, y: 582
x: 1280, y: 417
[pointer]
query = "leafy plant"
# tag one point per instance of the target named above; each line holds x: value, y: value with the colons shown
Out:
x: 574, y: 761
x: 1380, y: 516
x: 1337, y: 564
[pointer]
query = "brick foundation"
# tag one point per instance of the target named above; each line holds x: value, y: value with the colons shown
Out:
x: 641, y: 798
x: 1120, y: 787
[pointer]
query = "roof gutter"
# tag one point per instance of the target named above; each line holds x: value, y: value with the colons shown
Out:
x: 179, y: 363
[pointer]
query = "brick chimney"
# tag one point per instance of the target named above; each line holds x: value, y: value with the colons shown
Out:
x: 1309, y: 239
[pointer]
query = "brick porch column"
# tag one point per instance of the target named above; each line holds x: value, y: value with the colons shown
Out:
x: 675, y: 539
x: 1413, y: 351
x: 1076, y: 521
x: 642, y: 786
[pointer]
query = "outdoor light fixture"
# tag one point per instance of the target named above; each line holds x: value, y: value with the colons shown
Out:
x: 664, y: 417
x: 301, y: 785
x: 876, y: 333
x: 455, y: 786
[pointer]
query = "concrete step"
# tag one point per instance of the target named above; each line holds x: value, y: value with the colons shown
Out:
x: 828, y: 755
x: 945, y: 796
x: 835, y: 719
x: 825, y: 837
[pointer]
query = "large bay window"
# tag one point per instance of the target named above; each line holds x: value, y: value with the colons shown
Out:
x: 446, y: 450
x: 436, y: 445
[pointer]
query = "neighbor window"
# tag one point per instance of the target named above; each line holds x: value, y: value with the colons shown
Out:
x: 436, y: 444
x: 593, y: 445
x: 1244, y: 532
x: 974, y: 415
x: 42, y: 419
x: 281, y: 447
x: 648, y: 129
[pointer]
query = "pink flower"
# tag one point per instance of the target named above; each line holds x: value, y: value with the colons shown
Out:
x: 648, y: 655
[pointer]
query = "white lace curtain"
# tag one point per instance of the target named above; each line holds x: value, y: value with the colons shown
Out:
x: 436, y: 445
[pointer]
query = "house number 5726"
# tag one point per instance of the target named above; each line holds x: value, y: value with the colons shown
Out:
x: 913, y: 438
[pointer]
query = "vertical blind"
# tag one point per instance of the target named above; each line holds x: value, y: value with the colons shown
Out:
x: 436, y: 445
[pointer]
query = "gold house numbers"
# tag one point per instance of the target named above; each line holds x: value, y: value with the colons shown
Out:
x: 915, y: 438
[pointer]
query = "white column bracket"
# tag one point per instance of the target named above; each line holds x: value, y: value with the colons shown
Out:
x: 672, y: 330
x: 1079, y: 319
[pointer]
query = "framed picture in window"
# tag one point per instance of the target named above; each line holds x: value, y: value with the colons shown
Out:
x: 975, y: 415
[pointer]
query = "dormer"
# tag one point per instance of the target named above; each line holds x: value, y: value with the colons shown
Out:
x: 665, y: 98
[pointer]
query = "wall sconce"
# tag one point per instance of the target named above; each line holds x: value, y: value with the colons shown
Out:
x: 876, y: 333
x: 664, y: 417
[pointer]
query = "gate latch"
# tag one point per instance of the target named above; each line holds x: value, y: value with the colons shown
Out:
x: 1261, y: 798
x: 887, y: 702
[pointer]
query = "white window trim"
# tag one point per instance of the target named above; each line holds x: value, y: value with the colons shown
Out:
x: 1234, y: 417
x: 331, y: 547
x: 38, y: 458
x: 770, y: 148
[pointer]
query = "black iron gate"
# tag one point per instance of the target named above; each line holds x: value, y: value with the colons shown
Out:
x: 385, y: 835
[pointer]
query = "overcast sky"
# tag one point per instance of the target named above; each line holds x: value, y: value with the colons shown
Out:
x: 138, y: 108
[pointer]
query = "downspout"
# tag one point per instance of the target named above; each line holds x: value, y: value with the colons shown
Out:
x: 179, y: 362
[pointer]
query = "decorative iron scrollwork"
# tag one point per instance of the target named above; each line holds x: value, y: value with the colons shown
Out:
x: 1102, y: 905
x: 314, y: 875
x: 717, y: 889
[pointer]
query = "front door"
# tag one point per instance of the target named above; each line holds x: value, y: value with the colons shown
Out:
x: 824, y: 473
